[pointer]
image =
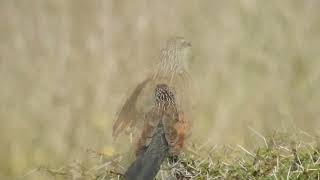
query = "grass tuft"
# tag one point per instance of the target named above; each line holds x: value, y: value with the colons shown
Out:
x: 284, y: 157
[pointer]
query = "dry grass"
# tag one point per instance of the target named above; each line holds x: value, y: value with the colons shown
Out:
x: 283, y: 157
x: 67, y: 66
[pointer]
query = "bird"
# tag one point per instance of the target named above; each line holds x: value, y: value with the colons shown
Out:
x: 162, y: 135
x: 170, y: 69
x: 154, y: 113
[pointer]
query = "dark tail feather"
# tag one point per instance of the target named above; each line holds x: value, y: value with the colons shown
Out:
x: 148, y: 162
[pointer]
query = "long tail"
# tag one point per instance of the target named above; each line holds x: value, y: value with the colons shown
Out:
x: 148, y: 162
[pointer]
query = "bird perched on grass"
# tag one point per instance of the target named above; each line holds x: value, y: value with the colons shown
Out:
x: 159, y: 128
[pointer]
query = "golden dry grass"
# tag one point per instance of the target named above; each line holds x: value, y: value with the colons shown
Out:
x: 67, y: 66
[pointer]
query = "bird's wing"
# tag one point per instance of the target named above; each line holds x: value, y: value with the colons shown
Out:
x: 174, y: 125
x: 153, y: 146
x: 148, y: 130
x: 129, y: 115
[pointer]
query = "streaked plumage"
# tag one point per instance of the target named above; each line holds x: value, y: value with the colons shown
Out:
x: 171, y: 70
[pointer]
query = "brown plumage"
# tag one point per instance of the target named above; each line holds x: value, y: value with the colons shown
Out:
x: 172, y: 120
x: 171, y: 69
x: 163, y: 134
x: 129, y: 115
x: 163, y: 126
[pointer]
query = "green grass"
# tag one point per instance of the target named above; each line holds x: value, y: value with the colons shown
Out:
x: 281, y: 157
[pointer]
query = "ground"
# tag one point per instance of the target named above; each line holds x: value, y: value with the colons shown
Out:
x: 281, y: 156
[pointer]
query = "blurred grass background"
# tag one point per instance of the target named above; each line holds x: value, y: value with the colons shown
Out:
x: 67, y: 66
